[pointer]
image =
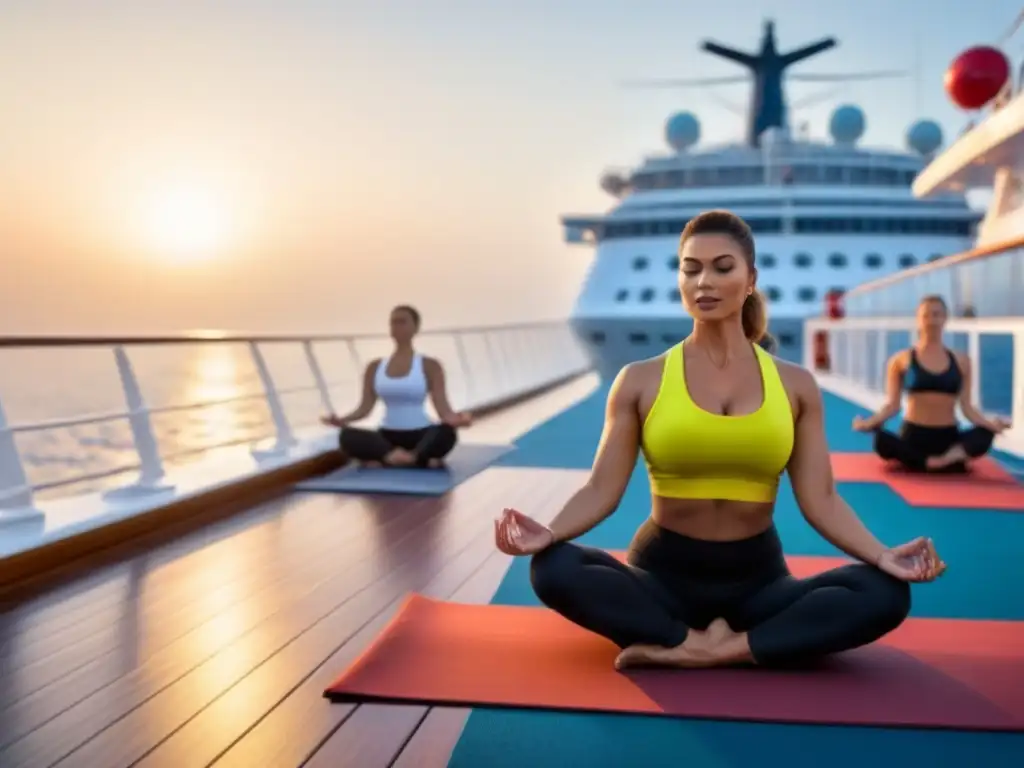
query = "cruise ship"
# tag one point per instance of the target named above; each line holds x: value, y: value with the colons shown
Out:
x: 160, y: 610
x: 827, y: 214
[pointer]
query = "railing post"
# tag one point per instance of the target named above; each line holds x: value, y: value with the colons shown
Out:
x: 562, y: 348
x: 974, y: 355
x: 285, y: 439
x: 810, y: 326
x: 516, y: 367
x: 469, y: 389
x: 847, y: 365
x: 151, y: 466
x: 527, y: 359
x: 544, y: 354
x: 1014, y: 436
x: 496, y: 365
x: 353, y: 353
x: 318, y: 376
x: 859, y: 360
x: 881, y: 356
x: 16, y: 502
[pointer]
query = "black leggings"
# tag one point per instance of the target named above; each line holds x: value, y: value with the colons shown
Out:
x: 433, y: 442
x: 916, y: 443
x: 674, y: 582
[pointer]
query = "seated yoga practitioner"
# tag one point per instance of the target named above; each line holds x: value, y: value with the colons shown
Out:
x: 935, y: 379
x: 406, y: 436
x: 718, y: 420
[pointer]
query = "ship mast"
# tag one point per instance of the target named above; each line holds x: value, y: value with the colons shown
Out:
x: 767, y: 102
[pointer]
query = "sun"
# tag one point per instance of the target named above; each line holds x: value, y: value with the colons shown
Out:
x: 185, y: 223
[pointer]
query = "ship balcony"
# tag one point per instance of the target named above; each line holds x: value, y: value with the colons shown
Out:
x: 972, y: 161
x: 983, y: 282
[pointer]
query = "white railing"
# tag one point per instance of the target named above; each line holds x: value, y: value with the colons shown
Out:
x: 858, y: 348
x: 291, y: 381
x: 983, y: 282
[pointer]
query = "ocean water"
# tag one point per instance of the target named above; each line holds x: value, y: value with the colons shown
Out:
x: 212, y: 393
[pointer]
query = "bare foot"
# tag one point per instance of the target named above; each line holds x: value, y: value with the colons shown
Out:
x: 952, y: 456
x: 695, y: 651
x: 399, y: 457
x: 716, y: 645
x: 435, y: 463
x: 370, y: 465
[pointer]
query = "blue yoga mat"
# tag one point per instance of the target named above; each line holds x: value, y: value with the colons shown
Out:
x: 462, y: 463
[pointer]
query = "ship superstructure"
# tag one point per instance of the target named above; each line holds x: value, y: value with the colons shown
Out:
x: 828, y: 215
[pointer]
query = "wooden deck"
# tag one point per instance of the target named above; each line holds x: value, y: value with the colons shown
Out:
x: 214, y: 650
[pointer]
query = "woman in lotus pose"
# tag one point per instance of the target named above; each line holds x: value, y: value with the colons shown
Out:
x: 718, y: 420
x: 406, y: 437
x: 936, y: 379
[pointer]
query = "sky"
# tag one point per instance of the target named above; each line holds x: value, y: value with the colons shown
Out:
x: 303, y: 166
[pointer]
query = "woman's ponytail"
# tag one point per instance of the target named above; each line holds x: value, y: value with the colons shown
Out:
x: 755, y: 320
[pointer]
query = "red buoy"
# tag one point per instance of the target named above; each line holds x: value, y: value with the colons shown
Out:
x: 976, y: 76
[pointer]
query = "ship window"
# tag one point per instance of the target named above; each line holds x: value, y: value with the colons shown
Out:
x: 670, y: 338
x: 800, y: 225
x: 773, y: 293
x: 639, y: 338
x: 674, y: 295
x: 802, y: 260
x: 907, y: 260
x: 806, y: 293
x: 622, y: 294
x: 646, y: 294
x: 673, y: 262
x: 640, y: 262
x: 837, y: 260
x: 766, y: 260
x: 935, y: 257
x: 873, y: 261
x: 786, y: 339
x: 597, y: 337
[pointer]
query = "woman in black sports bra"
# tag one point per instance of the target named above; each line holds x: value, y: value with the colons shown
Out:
x: 935, y: 379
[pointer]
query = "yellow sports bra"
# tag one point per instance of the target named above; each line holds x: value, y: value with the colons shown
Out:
x: 695, y: 454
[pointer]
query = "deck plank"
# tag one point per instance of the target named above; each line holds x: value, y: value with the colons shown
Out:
x: 158, y: 659
x: 433, y: 732
x: 216, y: 727
x: 114, y: 589
x: 188, y: 712
x: 203, y: 660
x: 157, y: 608
x: 303, y: 721
x: 67, y: 603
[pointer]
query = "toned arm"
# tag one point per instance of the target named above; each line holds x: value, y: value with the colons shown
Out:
x: 810, y: 470
x: 971, y: 413
x: 438, y: 388
x: 613, y: 463
x: 368, y: 398
x: 893, y: 388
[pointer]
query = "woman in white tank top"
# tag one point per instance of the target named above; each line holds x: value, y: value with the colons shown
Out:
x: 406, y: 436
